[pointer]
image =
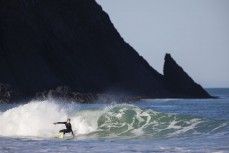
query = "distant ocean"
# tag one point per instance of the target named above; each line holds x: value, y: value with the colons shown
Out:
x: 158, y: 125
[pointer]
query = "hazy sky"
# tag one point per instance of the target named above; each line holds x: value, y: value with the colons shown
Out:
x: 195, y: 32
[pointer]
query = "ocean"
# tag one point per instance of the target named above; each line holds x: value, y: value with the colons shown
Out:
x: 152, y: 125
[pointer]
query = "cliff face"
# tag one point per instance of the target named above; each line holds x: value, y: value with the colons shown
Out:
x: 179, y: 82
x: 45, y: 44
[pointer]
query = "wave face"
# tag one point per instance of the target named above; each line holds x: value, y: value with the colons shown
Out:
x: 36, y: 119
x: 129, y: 120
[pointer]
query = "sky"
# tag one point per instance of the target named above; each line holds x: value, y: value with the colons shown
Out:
x: 194, y: 32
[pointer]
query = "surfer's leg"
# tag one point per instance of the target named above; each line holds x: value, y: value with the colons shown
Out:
x: 65, y: 131
x: 62, y: 131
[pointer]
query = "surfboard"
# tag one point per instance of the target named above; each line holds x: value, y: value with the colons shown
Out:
x: 67, y: 136
x: 60, y: 135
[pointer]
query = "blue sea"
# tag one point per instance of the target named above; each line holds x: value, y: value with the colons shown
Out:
x: 151, y: 125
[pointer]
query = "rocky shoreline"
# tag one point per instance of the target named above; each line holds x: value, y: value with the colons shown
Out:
x: 65, y: 94
x: 5, y: 93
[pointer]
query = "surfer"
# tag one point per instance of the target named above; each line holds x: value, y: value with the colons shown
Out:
x: 68, y: 127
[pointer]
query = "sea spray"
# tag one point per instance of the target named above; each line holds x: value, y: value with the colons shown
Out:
x: 85, y: 121
x: 32, y: 120
x: 36, y: 119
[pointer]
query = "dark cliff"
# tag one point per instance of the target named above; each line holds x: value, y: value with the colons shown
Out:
x: 179, y: 82
x: 49, y: 43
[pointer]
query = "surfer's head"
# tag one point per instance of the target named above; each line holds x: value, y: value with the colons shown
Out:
x: 68, y: 120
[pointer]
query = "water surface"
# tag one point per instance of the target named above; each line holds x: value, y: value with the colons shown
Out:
x: 168, y: 125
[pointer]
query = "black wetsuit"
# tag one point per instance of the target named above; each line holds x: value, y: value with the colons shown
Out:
x: 68, y: 127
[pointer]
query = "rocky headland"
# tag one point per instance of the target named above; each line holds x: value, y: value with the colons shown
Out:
x: 70, y: 49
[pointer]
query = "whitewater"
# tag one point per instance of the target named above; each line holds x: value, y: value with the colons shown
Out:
x: 169, y: 125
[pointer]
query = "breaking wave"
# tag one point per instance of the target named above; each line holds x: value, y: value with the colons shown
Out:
x: 36, y: 119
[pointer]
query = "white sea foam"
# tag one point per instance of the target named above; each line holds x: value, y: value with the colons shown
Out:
x: 36, y: 119
x: 85, y: 122
x: 32, y: 119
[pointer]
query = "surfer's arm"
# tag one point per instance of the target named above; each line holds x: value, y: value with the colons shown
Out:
x: 60, y: 123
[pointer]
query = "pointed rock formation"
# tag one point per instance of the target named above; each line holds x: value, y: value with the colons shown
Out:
x: 179, y: 82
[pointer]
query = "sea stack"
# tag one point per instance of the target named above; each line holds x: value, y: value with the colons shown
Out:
x: 46, y: 45
x: 179, y: 82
